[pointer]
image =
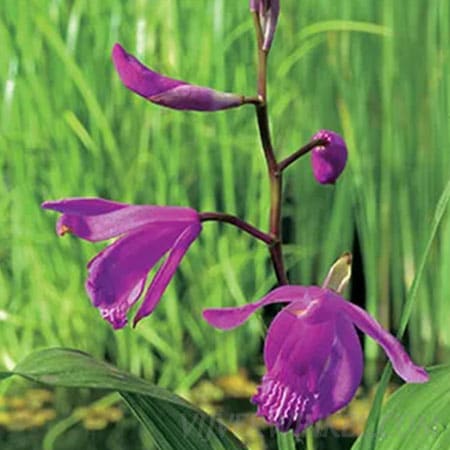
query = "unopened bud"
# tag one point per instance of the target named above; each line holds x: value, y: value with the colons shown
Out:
x: 166, y: 91
x: 328, y: 161
x: 268, y: 11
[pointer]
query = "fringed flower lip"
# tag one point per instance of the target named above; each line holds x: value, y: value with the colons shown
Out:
x: 165, y: 91
x: 312, y: 354
x: 268, y: 12
x: 117, y: 275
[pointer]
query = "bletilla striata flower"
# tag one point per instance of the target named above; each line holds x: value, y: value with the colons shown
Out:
x: 117, y: 275
x: 313, y: 356
x: 166, y: 91
x: 268, y: 12
x: 328, y: 161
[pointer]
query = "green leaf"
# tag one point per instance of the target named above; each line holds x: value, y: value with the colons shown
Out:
x: 417, y: 416
x: 173, y: 423
x: 368, y: 437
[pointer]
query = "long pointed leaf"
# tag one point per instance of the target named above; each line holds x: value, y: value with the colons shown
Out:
x: 172, y: 422
x: 416, y: 416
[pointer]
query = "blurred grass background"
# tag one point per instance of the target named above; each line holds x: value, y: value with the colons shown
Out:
x: 377, y: 72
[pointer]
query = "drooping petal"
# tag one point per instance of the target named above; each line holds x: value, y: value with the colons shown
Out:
x: 313, y: 368
x: 166, y: 91
x: 117, y: 274
x: 342, y: 376
x: 167, y: 270
x: 121, y: 220
x: 328, y: 161
x: 231, y: 317
x: 296, y: 354
x: 401, y: 362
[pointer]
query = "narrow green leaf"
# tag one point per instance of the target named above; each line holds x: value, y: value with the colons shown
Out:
x: 370, y: 434
x: 172, y: 422
x: 416, y: 416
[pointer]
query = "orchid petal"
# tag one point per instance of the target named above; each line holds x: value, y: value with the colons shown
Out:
x: 116, y: 274
x: 167, y: 270
x: 253, y: 5
x: 289, y: 331
x: 341, y: 378
x: 121, y: 220
x: 83, y: 206
x: 400, y: 360
x: 231, y: 317
x: 296, y: 354
x: 313, y: 368
x: 166, y: 91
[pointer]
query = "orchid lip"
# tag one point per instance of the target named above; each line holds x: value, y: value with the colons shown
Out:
x: 312, y: 353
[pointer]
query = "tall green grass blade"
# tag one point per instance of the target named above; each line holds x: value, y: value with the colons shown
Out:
x: 370, y: 435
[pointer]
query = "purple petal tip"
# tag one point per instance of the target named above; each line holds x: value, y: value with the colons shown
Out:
x: 417, y: 375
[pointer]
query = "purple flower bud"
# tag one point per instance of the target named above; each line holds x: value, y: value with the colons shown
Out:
x: 268, y: 11
x: 166, y: 91
x: 328, y: 161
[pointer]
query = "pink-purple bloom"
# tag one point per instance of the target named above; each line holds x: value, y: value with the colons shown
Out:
x: 312, y: 354
x: 117, y: 275
x: 328, y: 161
x: 166, y: 91
x: 268, y: 12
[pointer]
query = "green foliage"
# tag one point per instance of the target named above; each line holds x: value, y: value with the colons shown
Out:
x: 416, y: 416
x: 368, y: 441
x: 172, y: 422
x: 69, y: 128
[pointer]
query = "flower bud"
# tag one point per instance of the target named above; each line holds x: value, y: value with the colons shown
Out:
x: 268, y: 11
x: 328, y: 161
x: 166, y: 91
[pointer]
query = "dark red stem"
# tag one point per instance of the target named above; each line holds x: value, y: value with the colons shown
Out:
x: 300, y: 152
x: 239, y: 223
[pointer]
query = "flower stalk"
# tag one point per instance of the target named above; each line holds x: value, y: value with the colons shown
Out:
x: 285, y: 441
x: 300, y: 152
x: 275, y: 177
x: 239, y: 223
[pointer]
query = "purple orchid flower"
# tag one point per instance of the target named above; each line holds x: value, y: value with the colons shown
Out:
x: 328, y: 161
x: 312, y: 353
x: 268, y: 12
x: 117, y: 275
x: 166, y: 91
